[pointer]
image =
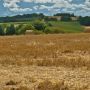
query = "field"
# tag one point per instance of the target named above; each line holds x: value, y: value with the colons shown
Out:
x: 68, y: 27
x: 45, y: 62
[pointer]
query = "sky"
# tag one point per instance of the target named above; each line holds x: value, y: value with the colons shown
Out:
x: 48, y: 7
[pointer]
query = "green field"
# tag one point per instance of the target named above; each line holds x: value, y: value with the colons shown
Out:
x: 68, y: 27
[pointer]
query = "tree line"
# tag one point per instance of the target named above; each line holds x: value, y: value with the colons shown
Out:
x: 12, y: 29
x: 21, y: 18
x: 35, y: 16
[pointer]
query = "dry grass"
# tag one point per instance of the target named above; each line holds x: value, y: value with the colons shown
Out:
x: 27, y: 61
x: 71, y: 50
x: 47, y: 85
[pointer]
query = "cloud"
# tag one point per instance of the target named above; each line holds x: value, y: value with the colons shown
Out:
x: 57, y: 5
x: 12, y: 6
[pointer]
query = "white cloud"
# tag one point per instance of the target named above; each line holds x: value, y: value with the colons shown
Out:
x: 20, y: 9
x: 66, y: 4
x: 12, y: 5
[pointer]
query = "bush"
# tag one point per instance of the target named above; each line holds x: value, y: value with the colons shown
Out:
x: 48, y: 30
x: 84, y: 21
x: 39, y: 25
x: 10, y: 30
x: 20, y: 29
x: 1, y: 30
x: 17, y: 32
x: 49, y: 24
x: 4, y: 25
x: 29, y: 27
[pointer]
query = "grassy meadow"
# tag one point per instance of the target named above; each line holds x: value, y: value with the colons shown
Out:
x: 45, y: 62
x: 68, y: 27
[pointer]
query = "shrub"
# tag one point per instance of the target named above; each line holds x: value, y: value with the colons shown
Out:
x: 48, y: 30
x: 29, y: 27
x: 39, y: 25
x: 84, y: 21
x: 17, y: 31
x: 49, y: 24
x: 4, y: 25
x: 1, y: 30
x: 20, y: 29
x: 10, y: 30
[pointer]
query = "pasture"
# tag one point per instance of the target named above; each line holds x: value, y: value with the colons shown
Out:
x: 45, y: 62
x: 68, y: 27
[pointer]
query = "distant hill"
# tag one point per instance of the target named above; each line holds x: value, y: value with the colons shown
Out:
x: 21, y: 18
x: 34, y: 16
x: 57, y: 17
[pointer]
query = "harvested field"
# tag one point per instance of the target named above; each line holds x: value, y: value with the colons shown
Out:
x: 45, y: 62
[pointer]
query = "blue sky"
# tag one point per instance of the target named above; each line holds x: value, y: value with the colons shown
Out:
x: 48, y: 7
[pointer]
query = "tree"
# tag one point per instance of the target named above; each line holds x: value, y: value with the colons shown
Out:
x: 21, y: 29
x: 84, y: 20
x: 1, y: 30
x: 64, y: 14
x: 10, y: 30
x: 17, y: 31
x: 39, y: 25
x: 41, y: 15
x: 28, y: 26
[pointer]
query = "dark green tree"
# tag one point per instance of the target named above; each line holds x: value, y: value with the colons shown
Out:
x: 1, y: 30
x: 39, y: 25
x: 84, y: 20
x: 10, y: 30
x: 21, y: 29
x: 64, y: 14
